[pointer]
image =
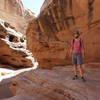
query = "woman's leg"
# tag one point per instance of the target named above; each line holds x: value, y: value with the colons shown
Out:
x: 81, y: 73
x: 74, y: 62
x: 80, y: 70
x: 75, y: 72
x: 75, y: 69
x: 79, y: 63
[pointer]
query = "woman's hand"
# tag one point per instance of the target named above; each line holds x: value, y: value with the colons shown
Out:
x: 70, y: 54
x: 83, y: 54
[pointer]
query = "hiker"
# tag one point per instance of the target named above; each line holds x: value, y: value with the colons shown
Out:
x: 77, y: 52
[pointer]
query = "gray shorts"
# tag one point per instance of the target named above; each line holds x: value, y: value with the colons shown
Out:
x: 77, y: 59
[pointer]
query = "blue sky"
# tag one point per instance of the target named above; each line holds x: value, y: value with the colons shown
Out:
x: 33, y: 5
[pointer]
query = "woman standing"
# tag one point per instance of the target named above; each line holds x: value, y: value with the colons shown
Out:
x: 78, y: 53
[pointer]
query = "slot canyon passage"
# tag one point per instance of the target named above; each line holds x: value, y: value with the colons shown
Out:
x: 34, y: 51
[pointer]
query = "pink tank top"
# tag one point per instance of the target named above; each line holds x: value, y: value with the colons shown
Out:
x: 77, y: 47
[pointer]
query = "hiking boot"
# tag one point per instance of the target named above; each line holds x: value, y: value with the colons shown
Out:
x: 75, y: 77
x: 83, y: 79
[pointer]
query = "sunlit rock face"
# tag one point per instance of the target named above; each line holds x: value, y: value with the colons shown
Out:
x: 13, y: 49
x: 28, y: 15
x: 13, y: 12
x: 50, y: 34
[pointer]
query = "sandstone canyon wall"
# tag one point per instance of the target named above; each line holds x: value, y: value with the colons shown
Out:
x: 50, y: 34
x: 13, y: 12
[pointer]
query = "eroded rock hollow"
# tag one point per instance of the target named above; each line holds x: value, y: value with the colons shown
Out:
x: 13, y: 50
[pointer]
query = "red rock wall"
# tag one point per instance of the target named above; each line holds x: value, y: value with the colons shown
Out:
x: 50, y: 34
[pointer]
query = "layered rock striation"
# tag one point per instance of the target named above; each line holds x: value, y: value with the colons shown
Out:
x: 56, y: 84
